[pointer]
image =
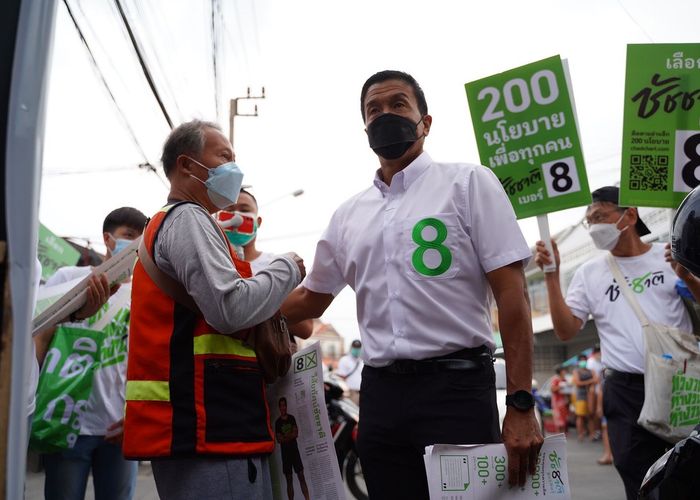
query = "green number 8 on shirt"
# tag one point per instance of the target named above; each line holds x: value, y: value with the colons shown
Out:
x: 418, y: 258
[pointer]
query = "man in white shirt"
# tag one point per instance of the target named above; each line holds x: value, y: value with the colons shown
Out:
x: 593, y: 291
x: 421, y: 248
x: 97, y: 448
x: 350, y: 370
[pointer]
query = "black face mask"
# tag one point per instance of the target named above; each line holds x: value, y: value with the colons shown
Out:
x: 391, y: 135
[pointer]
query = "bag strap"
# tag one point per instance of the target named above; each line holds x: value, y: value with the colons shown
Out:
x: 626, y: 290
x: 168, y: 285
x: 171, y: 287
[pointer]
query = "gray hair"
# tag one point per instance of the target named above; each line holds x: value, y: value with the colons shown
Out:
x: 187, y: 138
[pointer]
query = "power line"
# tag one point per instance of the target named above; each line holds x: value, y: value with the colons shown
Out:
x: 142, y: 62
x: 215, y: 6
x: 93, y: 61
x: 635, y: 21
x: 146, y: 163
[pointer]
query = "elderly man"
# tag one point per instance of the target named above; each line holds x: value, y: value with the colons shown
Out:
x: 420, y: 250
x: 594, y: 291
x: 195, y: 394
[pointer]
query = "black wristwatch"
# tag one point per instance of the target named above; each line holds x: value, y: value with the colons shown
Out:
x: 520, y: 400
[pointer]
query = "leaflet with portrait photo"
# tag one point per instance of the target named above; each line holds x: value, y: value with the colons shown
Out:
x: 304, y: 449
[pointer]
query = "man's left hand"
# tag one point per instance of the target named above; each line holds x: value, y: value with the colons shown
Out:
x: 523, y: 440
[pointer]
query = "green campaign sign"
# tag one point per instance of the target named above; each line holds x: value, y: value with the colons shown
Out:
x: 526, y: 133
x: 54, y: 252
x: 661, y: 132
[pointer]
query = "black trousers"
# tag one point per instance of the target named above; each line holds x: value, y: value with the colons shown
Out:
x: 401, y: 414
x: 634, y: 449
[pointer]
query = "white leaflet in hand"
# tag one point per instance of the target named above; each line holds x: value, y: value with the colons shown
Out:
x: 118, y: 269
x: 481, y: 472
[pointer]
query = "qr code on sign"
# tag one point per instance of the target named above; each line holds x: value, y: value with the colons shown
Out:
x: 648, y: 173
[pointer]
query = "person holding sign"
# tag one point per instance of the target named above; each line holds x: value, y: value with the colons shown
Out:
x: 421, y: 248
x: 97, y: 448
x: 593, y: 291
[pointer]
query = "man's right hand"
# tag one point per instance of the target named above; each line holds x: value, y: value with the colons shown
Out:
x: 543, y: 257
x: 299, y: 262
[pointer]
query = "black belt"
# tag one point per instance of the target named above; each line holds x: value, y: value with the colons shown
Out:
x: 466, y: 359
x: 635, y: 378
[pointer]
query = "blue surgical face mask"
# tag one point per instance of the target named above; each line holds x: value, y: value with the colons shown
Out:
x: 223, y: 184
x: 119, y: 244
x: 355, y: 352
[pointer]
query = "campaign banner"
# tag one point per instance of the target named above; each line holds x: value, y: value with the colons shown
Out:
x: 54, y: 252
x: 661, y: 130
x: 525, y: 125
x: 304, y: 459
x: 480, y: 472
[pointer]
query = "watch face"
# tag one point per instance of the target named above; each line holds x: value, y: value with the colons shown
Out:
x: 522, y: 400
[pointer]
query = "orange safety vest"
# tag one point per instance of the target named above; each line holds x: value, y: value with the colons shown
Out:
x: 190, y: 390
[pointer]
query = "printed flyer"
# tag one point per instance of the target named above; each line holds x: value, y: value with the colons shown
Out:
x: 480, y: 472
x: 304, y: 464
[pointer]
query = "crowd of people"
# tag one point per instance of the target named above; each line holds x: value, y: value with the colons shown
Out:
x: 190, y: 397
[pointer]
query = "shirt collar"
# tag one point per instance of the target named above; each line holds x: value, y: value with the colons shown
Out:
x: 407, y: 175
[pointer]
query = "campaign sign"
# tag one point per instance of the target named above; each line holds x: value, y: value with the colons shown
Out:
x: 526, y: 133
x: 661, y: 132
x: 54, y: 252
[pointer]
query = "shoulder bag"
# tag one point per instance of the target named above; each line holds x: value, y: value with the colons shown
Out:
x: 672, y: 373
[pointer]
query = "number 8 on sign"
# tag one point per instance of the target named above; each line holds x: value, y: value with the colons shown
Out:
x: 561, y: 177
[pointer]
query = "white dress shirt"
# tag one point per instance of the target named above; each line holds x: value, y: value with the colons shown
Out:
x: 420, y: 293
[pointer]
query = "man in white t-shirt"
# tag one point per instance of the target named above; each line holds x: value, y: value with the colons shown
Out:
x: 423, y: 247
x: 593, y: 291
x: 98, y: 448
x: 350, y: 370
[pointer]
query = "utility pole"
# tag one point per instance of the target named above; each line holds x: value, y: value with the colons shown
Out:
x: 233, y: 112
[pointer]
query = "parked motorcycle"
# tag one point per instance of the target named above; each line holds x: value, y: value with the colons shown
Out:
x: 344, y: 416
x: 674, y: 476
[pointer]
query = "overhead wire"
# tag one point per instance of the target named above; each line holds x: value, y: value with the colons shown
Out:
x: 619, y: 2
x: 144, y: 15
x: 120, y: 112
x: 216, y: 6
x: 102, y: 78
x: 144, y: 66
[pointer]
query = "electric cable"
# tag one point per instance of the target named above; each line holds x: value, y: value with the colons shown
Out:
x: 102, y: 78
x: 635, y: 21
x: 93, y: 61
x: 215, y: 6
x: 142, y: 62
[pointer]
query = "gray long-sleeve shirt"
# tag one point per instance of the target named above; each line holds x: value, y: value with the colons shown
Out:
x: 190, y: 249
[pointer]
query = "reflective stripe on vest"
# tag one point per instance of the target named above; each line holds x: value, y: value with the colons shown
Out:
x: 147, y: 390
x: 221, y: 344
